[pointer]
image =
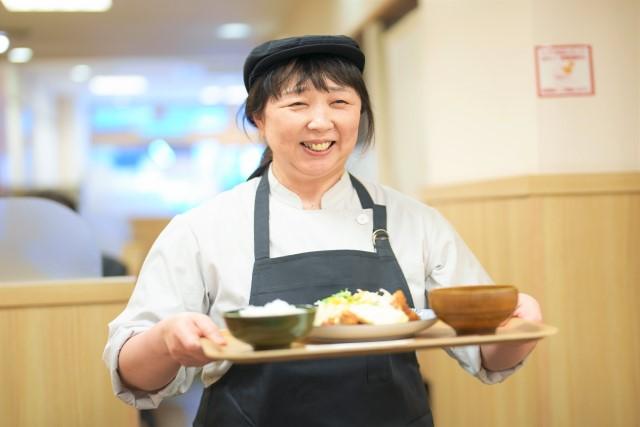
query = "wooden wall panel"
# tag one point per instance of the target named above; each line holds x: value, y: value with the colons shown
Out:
x: 592, y: 268
x: 578, y: 252
x: 51, y: 359
x: 144, y: 232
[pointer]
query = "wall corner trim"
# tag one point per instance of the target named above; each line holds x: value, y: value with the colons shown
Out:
x: 535, y: 185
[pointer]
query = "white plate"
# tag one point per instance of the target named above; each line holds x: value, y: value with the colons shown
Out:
x: 349, y: 333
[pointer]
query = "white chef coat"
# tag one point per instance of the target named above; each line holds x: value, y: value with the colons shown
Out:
x: 203, y: 261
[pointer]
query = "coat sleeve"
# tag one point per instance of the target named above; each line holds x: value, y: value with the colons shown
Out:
x: 169, y: 282
x: 449, y: 261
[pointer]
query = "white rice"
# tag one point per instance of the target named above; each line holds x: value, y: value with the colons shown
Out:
x: 273, y: 308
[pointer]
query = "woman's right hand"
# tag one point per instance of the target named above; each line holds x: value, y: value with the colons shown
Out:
x: 181, y: 335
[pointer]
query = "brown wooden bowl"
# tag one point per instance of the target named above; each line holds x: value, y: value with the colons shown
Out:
x: 477, y: 309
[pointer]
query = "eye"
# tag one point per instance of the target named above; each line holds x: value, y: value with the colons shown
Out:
x: 296, y: 104
x: 340, y: 101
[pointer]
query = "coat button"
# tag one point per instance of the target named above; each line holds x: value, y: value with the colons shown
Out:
x: 362, y: 219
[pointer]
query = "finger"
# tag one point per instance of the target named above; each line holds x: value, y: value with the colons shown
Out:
x: 528, y: 308
x: 182, y: 339
x: 188, y: 351
x: 188, y: 339
x: 195, y: 360
x: 208, y: 329
x: 533, y: 308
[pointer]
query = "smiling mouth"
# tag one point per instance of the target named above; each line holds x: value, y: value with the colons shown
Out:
x: 318, y: 147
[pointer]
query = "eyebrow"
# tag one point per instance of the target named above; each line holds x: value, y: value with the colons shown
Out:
x: 301, y: 89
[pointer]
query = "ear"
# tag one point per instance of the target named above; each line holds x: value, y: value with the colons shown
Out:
x: 259, y: 122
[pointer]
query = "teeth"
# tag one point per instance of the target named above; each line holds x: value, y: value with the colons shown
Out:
x: 318, y: 147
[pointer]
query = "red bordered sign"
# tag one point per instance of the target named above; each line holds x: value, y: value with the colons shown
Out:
x: 564, y: 70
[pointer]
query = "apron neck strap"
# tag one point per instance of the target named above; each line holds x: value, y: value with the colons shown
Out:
x: 380, y: 237
x: 365, y: 199
x: 261, y: 218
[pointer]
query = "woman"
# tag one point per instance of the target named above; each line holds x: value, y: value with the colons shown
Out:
x: 300, y: 230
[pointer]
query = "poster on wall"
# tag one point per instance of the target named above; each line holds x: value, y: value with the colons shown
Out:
x: 564, y: 70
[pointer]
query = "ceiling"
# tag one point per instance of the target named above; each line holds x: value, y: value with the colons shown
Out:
x: 143, y: 28
x: 168, y: 41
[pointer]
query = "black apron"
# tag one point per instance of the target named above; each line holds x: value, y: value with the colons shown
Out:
x: 371, y: 391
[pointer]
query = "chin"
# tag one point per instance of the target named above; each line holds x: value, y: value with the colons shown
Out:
x: 322, y: 170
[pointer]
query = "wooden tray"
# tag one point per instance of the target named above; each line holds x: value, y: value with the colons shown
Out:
x: 438, y: 335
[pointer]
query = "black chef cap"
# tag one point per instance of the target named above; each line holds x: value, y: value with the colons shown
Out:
x: 274, y: 52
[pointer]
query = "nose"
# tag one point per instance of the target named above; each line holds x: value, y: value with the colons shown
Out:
x: 320, y: 119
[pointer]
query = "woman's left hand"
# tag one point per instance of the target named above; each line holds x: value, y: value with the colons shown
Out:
x: 500, y: 356
x: 527, y: 309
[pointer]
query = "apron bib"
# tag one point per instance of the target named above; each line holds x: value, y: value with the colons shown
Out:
x: 371, y: 391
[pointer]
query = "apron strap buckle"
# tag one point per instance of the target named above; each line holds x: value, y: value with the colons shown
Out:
x: 379, y: 234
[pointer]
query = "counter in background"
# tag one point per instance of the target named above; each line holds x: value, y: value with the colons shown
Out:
x: 52, y: 334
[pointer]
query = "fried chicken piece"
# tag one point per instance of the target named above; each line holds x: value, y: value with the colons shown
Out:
x: 348, y: 318
x: 399, y: 301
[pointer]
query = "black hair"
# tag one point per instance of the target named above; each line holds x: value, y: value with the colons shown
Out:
x: 316, y: 69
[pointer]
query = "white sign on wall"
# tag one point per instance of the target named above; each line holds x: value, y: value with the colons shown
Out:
x: 564, y: 70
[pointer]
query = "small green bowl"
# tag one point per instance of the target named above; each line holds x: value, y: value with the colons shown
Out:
x: 270, y: 332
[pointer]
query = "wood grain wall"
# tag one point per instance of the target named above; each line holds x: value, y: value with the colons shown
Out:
x: 144, y: 231
x: 572, y: 241
x: 51, y: 339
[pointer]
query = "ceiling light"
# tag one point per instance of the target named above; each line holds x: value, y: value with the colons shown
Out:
x: 234, y: 30
x: 118, y: 85
x: 56, y: 5
x: 4, y: 42
x: 20, y: 55
x: 80, y: 73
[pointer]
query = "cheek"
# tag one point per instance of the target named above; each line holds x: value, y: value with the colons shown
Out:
x: 280, y: 131
x: 350, y: 127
